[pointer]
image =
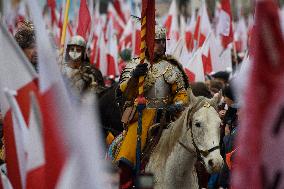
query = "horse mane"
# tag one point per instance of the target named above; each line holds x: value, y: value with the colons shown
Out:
x: 172, y: 134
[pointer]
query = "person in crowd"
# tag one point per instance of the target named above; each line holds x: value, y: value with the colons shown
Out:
x: 200, y: 89
x: 83, y: 77
x: 164, y: 88
x: 215, y: 86
x: 221, y: 76
x: 25, y: 37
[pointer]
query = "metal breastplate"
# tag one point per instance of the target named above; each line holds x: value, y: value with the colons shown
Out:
x: 158, y: 94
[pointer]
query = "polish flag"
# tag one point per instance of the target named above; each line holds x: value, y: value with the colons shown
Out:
x: 118, y: 7
x: 189, y: 32
x: 172, y: 27
x: 126, y: 37
x: 52, y: 6
x: 202, y: 26
x: 96, y: 38
x: 101, y: 60
x: 112, y: 51
x: 23, y: 81
x: 171, y: 23
x: 35, y: 150
x: 84, y: 22
x: 262, y: 118
x: 53, y: 102
x: 194, y: 67
x: 206, y: 55
x: 240, y: 36
x: 18, y: 135
x: 118, y: 23
x: 225, y: 24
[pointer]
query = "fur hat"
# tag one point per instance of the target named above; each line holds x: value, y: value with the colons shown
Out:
x: 160, y: 32
x: 25, y: 35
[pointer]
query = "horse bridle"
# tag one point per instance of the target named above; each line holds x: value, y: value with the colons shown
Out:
x: 199, y: 152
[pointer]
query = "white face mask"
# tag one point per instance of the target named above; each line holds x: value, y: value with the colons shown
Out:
x: 74, y: 55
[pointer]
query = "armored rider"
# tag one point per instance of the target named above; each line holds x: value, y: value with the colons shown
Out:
x: 83, y: 77
x: 164, y: 88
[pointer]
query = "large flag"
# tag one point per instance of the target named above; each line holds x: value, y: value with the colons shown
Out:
x: 259, y: 159
x: 53, y: 102
x: 84, y: 22
x: 18, y: 136
x: 23, y: 80
x: 203, y: 25
x: 225, y: 25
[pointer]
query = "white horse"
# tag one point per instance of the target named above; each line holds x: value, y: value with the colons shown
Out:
x: 195, y: 133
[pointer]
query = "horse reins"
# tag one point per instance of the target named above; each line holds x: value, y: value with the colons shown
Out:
x: 199, y: 152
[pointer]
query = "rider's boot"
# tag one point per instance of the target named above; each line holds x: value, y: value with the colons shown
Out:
x: 126, y: 176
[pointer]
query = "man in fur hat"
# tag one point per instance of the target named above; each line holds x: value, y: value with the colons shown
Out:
x: 25, y: 37
x: 164, y: 88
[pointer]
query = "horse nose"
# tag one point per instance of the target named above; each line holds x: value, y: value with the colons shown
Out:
x: 210, y: 163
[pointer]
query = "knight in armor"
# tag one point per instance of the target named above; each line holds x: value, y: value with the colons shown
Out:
x: 25, y: 37
x: 164, y: 89
x: 83, y: 77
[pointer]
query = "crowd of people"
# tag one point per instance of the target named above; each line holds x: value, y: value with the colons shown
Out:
x: 165, y: 89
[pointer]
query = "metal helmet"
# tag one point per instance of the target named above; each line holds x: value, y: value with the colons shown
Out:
x: 77, y: 40
x: 160, y: 32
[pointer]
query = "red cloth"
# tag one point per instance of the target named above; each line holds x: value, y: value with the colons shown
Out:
x: 84, y: 20
x: 225, y: 6
x: 259, y: 161
x: 148, y: 10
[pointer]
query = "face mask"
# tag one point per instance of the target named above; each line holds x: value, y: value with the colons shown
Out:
x: 74, y: 55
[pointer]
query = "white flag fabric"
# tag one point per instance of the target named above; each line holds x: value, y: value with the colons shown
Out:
x: 16, y: 74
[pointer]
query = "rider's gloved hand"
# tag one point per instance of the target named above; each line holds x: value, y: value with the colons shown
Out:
x: 140, y: 70
x: 175, y: 108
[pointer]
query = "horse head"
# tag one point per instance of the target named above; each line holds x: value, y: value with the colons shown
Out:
x: 202, y: 133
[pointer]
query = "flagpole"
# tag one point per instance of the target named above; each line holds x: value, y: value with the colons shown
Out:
x: 63, y: 35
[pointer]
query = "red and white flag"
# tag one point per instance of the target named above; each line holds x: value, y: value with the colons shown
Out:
x: 206, y: 54
x: 118, y: 7
x: 259, y: 162
x: 171, y: 23
x: 194, y: 67
x: 240, y: 36
x: 35, y: 161
x: 101, y: 60
x: 225, y: 23
x: 23, y: 81
x: 189, y: 32
x: 53, y: 102
x: 118, y: 23
x: 203, y: 25
x: 112, y: 51
x: 84, y: 22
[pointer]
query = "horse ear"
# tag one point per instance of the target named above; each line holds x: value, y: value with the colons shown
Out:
x: 191, y: 96
x: 216, y: 99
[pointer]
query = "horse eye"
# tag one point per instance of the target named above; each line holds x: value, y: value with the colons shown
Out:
x: 197, y: 124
